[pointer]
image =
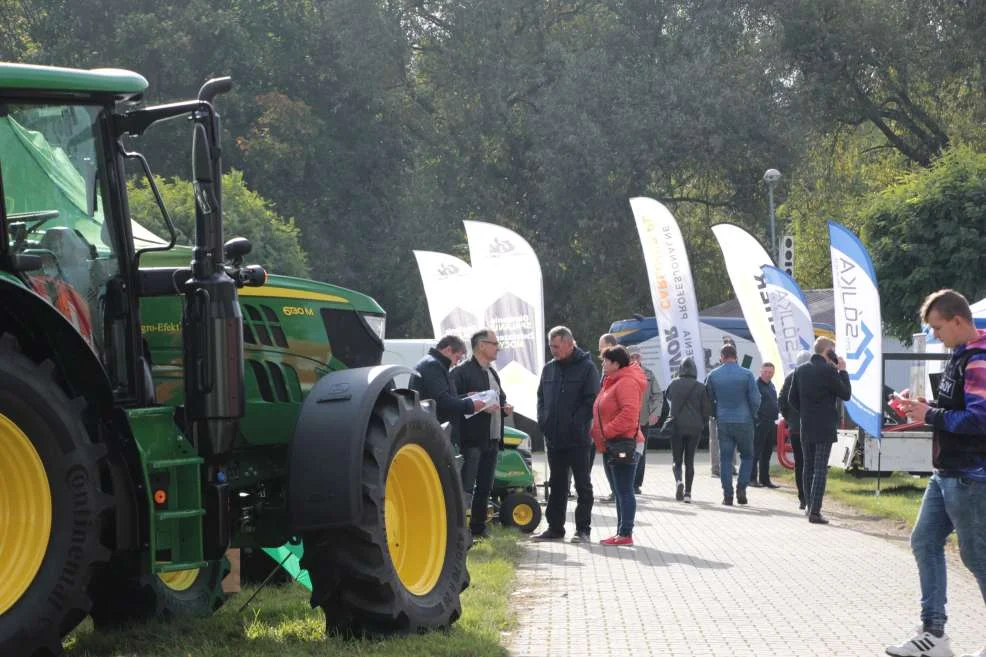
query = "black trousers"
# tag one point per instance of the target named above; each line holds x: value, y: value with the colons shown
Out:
x: 574, y: 460
x: 683, y: 452
x: 763, y: 449
x: 799, y: 467
x: 816, y: 473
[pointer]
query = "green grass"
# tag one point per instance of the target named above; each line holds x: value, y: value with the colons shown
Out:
x: 899, y: 498
x: 280, y: 623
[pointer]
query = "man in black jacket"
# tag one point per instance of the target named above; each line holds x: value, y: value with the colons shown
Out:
x: 435, y: 382
x: 818, y: 386
x: 794, y: 428
x: 568, y: 388
x: 766, y: 428
x: 480, y: 435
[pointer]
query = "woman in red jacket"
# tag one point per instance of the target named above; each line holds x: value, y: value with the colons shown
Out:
x: 615, y: 415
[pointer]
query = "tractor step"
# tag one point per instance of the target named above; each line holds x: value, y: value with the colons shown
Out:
x: 171, y: 567
x: 179, y: 515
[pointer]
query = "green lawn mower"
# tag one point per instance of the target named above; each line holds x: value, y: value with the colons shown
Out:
x: 514, y: 496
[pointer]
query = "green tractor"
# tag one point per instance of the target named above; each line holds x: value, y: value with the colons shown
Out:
x: 160, y: 404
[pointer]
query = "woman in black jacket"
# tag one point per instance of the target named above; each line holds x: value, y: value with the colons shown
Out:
x: 690, y: 408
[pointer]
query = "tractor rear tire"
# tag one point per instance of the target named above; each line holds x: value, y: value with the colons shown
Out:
x: 54, y: 506
x: 520, y: 510
x: 402, y: 568
x: 183, y: 594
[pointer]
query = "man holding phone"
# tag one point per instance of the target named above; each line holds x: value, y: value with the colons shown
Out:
x: 955, y: 499
x: 817, y: 387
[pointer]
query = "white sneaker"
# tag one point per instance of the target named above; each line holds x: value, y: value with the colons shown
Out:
x: 981, y: 653
x: 923, y: 644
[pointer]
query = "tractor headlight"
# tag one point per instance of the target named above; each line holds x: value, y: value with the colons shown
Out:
x: 377, y: 324
x: 525, y: 444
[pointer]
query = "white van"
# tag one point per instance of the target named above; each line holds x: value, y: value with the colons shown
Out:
x: 405, y: 352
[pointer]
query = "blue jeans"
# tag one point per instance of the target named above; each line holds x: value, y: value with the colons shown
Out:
x: 735, y: 436
x: 950, y: 503
x: 621, y: 477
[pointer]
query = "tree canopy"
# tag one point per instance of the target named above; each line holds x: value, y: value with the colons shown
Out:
x: 379, y: 125
x: 929, y: 232
x: 276, y: 241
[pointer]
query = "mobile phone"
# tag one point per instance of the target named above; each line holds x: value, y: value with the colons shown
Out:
x: 834, y: 357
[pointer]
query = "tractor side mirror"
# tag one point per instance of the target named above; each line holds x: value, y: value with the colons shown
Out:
x: 236, y: 249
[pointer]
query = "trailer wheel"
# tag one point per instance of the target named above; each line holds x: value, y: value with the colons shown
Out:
x: 53, y: 506
x: 181, y: 594
x: 402, y: 568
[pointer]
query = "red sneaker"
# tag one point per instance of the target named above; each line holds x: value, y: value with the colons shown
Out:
x: 617, y: 540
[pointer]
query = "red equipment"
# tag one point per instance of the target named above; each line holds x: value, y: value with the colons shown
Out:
x: 785, y: 453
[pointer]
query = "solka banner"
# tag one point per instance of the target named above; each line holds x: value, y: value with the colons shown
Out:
x: 448, y: 290
x: 745, y: 259
x: 671, y: 288
x: 858, y: 326
x: 793, y: 330
x: 508, y: 293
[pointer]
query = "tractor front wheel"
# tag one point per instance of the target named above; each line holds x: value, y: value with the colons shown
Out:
x: 183, y: 593
x: 401, y: 569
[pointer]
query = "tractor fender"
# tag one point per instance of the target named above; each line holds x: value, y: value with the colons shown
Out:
x: 40, y: 327
x: 325, y: 456
x: 36, y: 322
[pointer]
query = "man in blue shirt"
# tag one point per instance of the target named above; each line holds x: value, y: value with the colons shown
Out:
x: 735, y: 401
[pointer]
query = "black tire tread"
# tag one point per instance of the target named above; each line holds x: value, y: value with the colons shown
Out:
x: 20, y: 632
x: 352, y: 577
x: 123, y: 600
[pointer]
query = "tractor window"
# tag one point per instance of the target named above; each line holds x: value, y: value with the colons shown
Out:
x: 51, y: 172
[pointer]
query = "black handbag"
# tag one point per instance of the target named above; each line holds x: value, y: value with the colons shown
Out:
x: 618, y: 450
x: 621, y: 450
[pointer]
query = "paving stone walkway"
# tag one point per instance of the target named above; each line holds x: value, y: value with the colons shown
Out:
x: 705, y: 579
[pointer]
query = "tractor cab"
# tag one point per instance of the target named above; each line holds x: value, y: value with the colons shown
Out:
x: 61, y: 236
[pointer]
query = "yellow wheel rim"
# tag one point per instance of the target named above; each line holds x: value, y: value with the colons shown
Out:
x: 416, y: 521
x: 179, y: 580
x: 25, y: 513
x: 522, y: 514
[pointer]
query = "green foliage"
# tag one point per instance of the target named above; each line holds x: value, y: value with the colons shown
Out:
x: 837, y: 175
x: 899, y: 499
x: 276, y: 241
x: 929, y: 232
x: 15, y: 37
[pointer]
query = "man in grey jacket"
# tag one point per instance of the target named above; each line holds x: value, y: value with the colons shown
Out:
x: 735, y: 401
x: 650, y: 410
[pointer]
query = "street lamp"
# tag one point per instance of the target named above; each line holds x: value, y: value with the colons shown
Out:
x: 771, y: 176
